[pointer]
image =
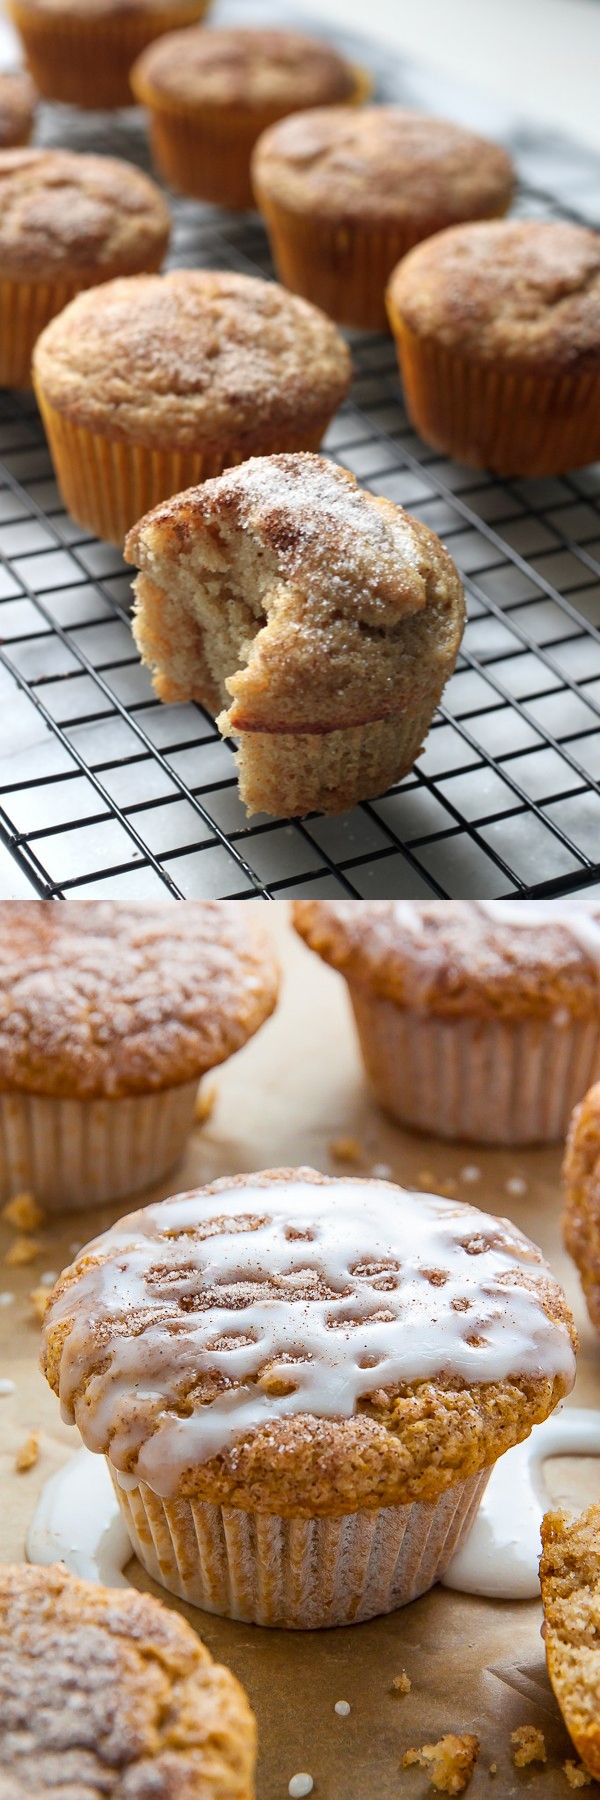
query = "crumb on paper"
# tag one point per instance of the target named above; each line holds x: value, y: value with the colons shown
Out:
x: 449, y: 1185
x: 345, y: 1149
x: 493, y: 1770
x: 382, y: 1172
x: 426, y: 1179
x: 577, y: 1776
x: 528, y: 1745
x: 402, y: 1683
x: 23, y: 1213
x: 516, y: 1185
x: 470, y: 1172
x: 38, y: 1300
x: 299, y: 1786
x: 342, y: 1708
x: 206, y: 1100
x: 23, y: 1250
x: 28, y: 1453
x: 449, y: 1763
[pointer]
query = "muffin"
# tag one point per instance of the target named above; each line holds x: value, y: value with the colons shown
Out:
x: 109, y: 1015
x: 301, y: 1385
x: 108, y: 1692
x: 570, y: 1583
x: 149, y: 385
x: 67, y: 222
x: 581, y: 1218
x: 476, y: 1019
x: 210, y: 94
x: 81, y: 51
x: 18, y: 100
x: 498, y: 334
x: 345, y: 194
x: 330, y: 619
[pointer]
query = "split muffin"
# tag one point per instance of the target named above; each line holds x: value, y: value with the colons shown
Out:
x: 109, y: 1016
x: 151, y: 384
x: 570, y: 1583
x: 67, y: 222
x: 301, y: 1385
x: 345, y: 194
x: 107, y: 1692
x: 498, y: 334
x: 18, y: 101
x: 581, y: 1219
x: 325, y: 621
x: 210, y: 94
x: 81, y: 51
x: 476, y: 1019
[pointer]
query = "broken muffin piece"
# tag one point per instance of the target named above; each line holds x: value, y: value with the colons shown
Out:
x: 450, y: 1762
x: 570, y: 1583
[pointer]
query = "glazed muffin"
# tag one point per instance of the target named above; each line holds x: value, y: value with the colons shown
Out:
x: 476, y: 1019
x: 498, y: 334
x: 581, y: 1218
x: 67, y: 222
x: 301, y: 1385
x: 570, y: 1583
x: 18, y: 101
x: 152, y: 384
x: 210, y: 94
x: 107, y: 1692
x: 345, y: 194
x: 109, y: 1016
x: 81, y: 51
x: 325, y: 621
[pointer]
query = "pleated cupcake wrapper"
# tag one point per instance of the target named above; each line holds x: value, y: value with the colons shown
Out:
x: 74, y: 1154
x: 26, y: 307
x: 299, y: 1573
x: 491, y: 1080
x: 287, y: 773
x: 86, y: 61
x: 514, y: 422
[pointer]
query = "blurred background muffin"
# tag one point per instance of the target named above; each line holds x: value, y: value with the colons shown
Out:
x: 18, y: 101
x: 81, y: 51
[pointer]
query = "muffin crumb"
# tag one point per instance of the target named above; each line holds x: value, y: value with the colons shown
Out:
x: 23, y: 1250
x: 38, y: 1300
x: 426, y: 1179
x: 28, y: 1454
x: 449, y: 1763
x: 345, y: 1149
x: 493, y: 1769
x: 205, y: 1103
x: 23, y: 1213
x: 577, y: 1776
x: 402, y: 1683
x: 528, y: 1745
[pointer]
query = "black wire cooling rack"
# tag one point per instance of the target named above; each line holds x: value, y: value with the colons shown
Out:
x: 104, y: 791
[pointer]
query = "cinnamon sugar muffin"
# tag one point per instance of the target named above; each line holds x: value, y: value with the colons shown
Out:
x: 107, y: 1692
x: 324, y: 620
x: 498, y: 334
x: 67, y: 222
x: 210, y: 94
x: 476, y: 1019
x: 81, y: 51
x: 18, y: 101
x: 301, y: 1385
x: 345, y: 194
x: 155, y: 383
x: 581, y: 1218
x: 570, y: 1583
x: 109, y: 1015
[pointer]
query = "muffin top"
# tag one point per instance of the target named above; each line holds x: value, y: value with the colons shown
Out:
x: 455, y: 958
x: 99, y: 9
x: 527, y: 290
x: 17, y: 106
x: 255, y: 69
x: 63, y: 213
x: 98, y: 998
x: 380, y: 162
x: 327, y: 575
x: 191, y: 357
x: 302, y: 1345
x: 109, y: 1693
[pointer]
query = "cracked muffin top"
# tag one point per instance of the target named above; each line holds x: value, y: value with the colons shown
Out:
x: 104, y: 999
x: 524, y: 290
x: 86, y: 216
x: 254, y: 69
x: 382, y: 162
x: 18, y: 99
x: 107, y: 1693
x: 196, y: 355
x: 293, y: 1344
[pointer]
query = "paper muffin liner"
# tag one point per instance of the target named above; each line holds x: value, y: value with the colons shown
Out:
x: 514, y: 422
x: 74, y: 1154
x: 26, y: 307
x: 289, y: 773
x: 108, y: 484
x: 299, y: 1573
x: 493, y: 1081
x: 84, y: 59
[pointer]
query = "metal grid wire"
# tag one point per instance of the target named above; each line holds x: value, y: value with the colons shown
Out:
x: 105, y: 791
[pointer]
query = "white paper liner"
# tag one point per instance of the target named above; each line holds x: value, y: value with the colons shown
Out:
x: 74, y: 1154
x: 490, y: 1080
x: 299, y: 1573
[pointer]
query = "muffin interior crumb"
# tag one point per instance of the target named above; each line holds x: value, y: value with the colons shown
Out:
x: 449, y: 1763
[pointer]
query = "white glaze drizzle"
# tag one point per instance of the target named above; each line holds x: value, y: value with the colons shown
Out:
x: 366, y: 1315
x: 77, y: 1521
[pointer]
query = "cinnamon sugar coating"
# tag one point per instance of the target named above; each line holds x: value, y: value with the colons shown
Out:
x: 253, y: 69
x: 108, y: 1693
x: 17, y: 107
x: 104, y: 999
x: 459, y: 962
x: 570, y: 1583
x: 581, y: 1218
x: 77, y: 215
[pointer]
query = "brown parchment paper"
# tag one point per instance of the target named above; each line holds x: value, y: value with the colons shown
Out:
x: 475, y: 1665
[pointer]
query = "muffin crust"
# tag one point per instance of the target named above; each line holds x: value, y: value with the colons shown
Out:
x: 570, y: 1583
x: 77, y: 215
x: 581, y: 1218
x: 17, y: 107
x: 252, y: 69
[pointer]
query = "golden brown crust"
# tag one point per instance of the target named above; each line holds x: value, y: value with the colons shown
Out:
x: 570, y: 1583
x: 382, y: 163
x: 73, y: 215
x: 581, y: 1218
x: 104, y: 999
x: 249, y: 69
x: 90, y: 10
x: 190, y: 359
x: 18, y: 101
x: 523, y: 291
x: 108, y: 1692
x: 458, y: 961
